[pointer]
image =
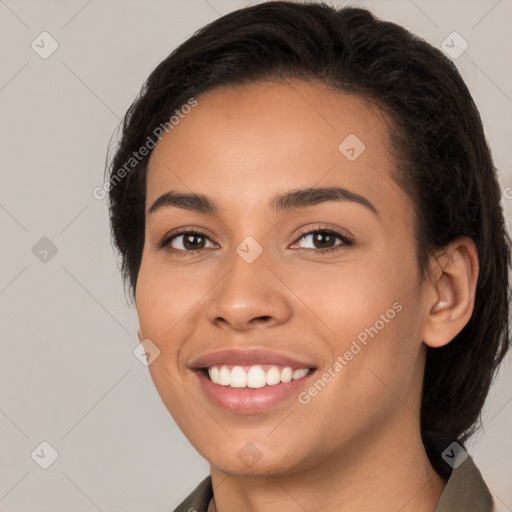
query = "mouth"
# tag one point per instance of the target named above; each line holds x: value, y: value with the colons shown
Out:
x: 250, y: 381
x: 255, y: 376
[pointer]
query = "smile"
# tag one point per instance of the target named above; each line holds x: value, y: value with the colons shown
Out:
x: 252, y: 380
x: 257, y: 376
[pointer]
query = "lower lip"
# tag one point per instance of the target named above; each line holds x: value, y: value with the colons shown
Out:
x: 250, y: 400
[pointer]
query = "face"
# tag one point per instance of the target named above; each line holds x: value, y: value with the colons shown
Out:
x: 275, y: 283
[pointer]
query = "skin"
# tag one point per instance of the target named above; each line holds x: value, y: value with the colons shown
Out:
x: 356, y: 445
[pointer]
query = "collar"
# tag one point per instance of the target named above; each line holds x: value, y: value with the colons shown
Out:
x: 465, y: 490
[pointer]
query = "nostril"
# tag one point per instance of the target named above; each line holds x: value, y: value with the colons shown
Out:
x: 264, y: 319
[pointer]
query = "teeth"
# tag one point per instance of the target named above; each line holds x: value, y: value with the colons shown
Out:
x: 273, y: 376
x: 224, y: 375
x: 255, y: 377
x: 215, y: 374
x: 298, y: 374
x: 238, y: 377
x: 286, y: 374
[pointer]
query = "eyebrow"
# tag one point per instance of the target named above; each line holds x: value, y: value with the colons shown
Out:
x: 293, y: 199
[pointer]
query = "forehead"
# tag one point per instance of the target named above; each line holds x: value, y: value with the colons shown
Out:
x: 241, y: 144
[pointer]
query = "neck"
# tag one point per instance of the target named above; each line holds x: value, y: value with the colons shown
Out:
x: 392, y: 473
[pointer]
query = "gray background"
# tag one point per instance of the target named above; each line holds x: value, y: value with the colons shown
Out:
x: 68, y: 375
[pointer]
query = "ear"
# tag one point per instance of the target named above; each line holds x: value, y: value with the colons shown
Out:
x: 450, y: 292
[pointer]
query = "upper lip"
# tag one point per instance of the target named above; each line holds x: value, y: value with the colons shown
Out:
x: 247, y: 357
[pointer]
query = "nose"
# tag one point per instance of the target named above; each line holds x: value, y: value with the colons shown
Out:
x: 249, y: 296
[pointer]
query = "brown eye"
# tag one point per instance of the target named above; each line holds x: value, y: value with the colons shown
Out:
x: 186, y: 241
x: 193, y: 241
x: 324, y: 240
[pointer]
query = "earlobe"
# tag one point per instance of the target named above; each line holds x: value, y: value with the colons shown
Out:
x: 451, y: 292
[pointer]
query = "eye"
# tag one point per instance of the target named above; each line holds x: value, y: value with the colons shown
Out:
x: 321, y: 240
x: 324, y: 240
x: 186, y: 241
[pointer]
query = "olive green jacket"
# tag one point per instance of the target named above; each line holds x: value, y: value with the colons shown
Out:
x: 465, y: 491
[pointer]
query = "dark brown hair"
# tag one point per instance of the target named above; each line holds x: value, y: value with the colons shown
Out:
x: 444, y: 162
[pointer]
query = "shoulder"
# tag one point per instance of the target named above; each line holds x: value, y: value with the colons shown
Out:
x: 199, y: 499
x: 465, y: 490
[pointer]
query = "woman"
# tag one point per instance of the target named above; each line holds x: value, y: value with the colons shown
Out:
x: 309, y: 222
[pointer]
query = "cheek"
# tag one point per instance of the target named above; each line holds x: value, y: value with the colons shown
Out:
x: 384, y: 360
x: 373, y: 313
x: 161, y: 308
x: 158, y: 309
x: 170, y: 305
x: 164, y: 298
x: 355, y: 296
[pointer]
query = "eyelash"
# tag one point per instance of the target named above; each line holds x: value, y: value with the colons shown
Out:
x: 347, y: 242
